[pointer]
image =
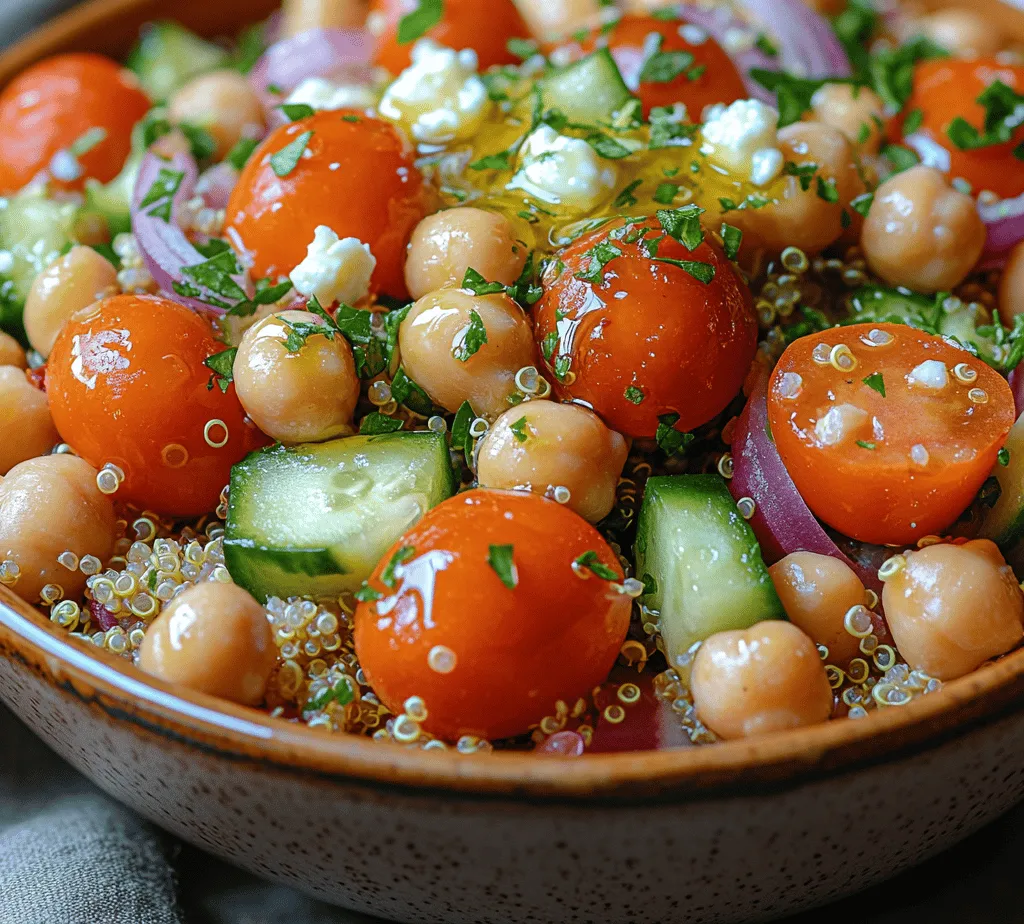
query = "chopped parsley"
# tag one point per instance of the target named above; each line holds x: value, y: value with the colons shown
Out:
x: 792, y: 93
x: 666, y: 193
x: 607, y: 147
x: 87, y: 141
x: 804, y: 172
x: 201, y: 142
x: 875, y: 382
x: 862, y: 204
x: 476, y: 283
x: 590, y: 562
x: 1004, y: 113
x: 670, y: 440
x: 159, y: 199
x: 522, y: 48
x: 626, y: 198
x: 366, y: 594
x: 912, y: 122
x: 891, y: 70
x: 1004, y: 457
x: 549, y: 344
x: 474, y: 337
x: 665, y: 66
x: 415, y: 25
x: 702, y: 272
x: 500, y: 161
x: 900, y: 157
x: 683, y: 225
x: 827, y: 189
x: 732, y: 239
x: 460, y: 438
x: 766, y: 46
x: 239, y: 155
x: 864, y: 444
x: 375, y: 423
x: 388, y: 577
x: 341, y: 693
x: 287, y: 159
x: 296, y: 111
x: 633, y: 395
x: 668, y: 128
x: 499, y: 557
x: 222, y: 365
x: 216, y: 276
x: 563, y: 363
x: 526, y: 289
x: 599, y: 256
x: 405, y: 391
x: 519, y: 430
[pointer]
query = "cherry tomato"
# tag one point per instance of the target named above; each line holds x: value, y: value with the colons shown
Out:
x: 890, y: 438
x: 668, y: 61
x: 127, y: 385
x: 483, y: 25
x: 947, y: 89
x: 487, y: 658
x: 647, y: 339
x: 357, y: 176
x: 82, y: 98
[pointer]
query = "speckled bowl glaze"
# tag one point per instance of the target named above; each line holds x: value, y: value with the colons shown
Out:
x: 736, y: 832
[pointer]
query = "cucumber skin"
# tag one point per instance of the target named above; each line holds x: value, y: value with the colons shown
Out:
x: 702, y: 506
x: 575, y: 99
x: 1004, y: 523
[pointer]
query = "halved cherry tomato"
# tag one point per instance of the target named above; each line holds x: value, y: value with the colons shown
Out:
x: 487, y: 658
x: 485, y: 27
x: 82, y: 98
x: 668, y: 61
x: 127, y: 385
x: 890, y: 438
x: 357, y: 176
x: 947, y: 89
x: 647, y: 339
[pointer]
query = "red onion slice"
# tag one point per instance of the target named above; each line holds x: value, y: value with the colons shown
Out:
x: 782, y: 521
x: 1005, y: 223
x: 807, y: 45
x: 217, y: 184
x: 345, y: 55
x: 1017, y: 387
x: 163, y: 244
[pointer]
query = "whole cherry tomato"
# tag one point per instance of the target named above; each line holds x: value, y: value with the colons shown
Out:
x: 946, y: 90
x: 483, y: 25
x: 890, y: 438
x: 82, y: 104
x: 627, y: 327
x: 127, y: 384
x: 668, y: 61
x: 355, y: 174
x: 493, y: 607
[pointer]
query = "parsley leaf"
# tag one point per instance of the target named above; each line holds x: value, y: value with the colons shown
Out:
x: 366, y: 594
x: 1004, y: 457
x: 665, y: 66
x: 683, y: 225
x: 460, y: 438
x: 862, y: 204
x: 666, y: 193
x: 793, y: 93
x: 891, y: 70
x: 388, y: 577
x: 239, y: 155
x: 732, y: 238
x: 670, y: 440
x: 900, y: 157
x: 415, y: 25
x: 216, y: 275
x: 519, y: 430
x: 522, y: 48
x: 600, y: 255
x: 827, y: 189
x: 804, y: 172
x: 159, y: 199
x: 702, y: 272
x: 1004, y: 113
x: 626, y: 198
x: 500, y: 161
x: 296, y: 111
x: 875, y: 382
x: 633, y: 395
x: 607, y: 147
x: 287, y: 159
x: 525, y: 290
x: 376, y: 423
x: 865, y: 444
x: 590, y: 562
x: 222, y: 365
x: 499, y: 557
x: 473, y: 337
x: 405, y: 391
x: 478, y: 285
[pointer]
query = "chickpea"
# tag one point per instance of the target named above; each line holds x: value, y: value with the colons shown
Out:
x: 11, y: 353
x: 223, y: 103
x: 551, y: 19
x: 25, y: 421
x: 48, y: 506
x: 962, y: 32
x: 767, y: 678
x: 67, y: 285
x: 802, y: 217
x: 431, y: 340
x: 922, y: 233
x: 1011, y: 286
x: 296, y: 397
x: 298, y: 16
x: 857, y: 112
x: 446, y: 244
x: 542, y: 445
x: 952, y: 607
x: 816, y: 592
x: 213, y: 638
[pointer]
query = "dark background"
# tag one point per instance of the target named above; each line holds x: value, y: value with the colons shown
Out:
x: 981, y: 881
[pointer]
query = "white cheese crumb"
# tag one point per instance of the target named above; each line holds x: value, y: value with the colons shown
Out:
x: 743, y: 138
x: 322, y: 94
x: 930, y: 374
x: 839, y: 424
x: 335, y: 270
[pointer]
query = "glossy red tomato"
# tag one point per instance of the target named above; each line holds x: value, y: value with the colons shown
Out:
x: 357, y: 176
x: 891, y: 449
x: 127, y: 384
x: 81, y: 98
x: 668, y: 61
x: 483, y: 614
x: 945, y: 90
x: 641, y: 338
x: 483, y: 25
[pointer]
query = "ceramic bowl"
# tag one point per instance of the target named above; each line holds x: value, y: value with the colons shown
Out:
x: 739, y: 831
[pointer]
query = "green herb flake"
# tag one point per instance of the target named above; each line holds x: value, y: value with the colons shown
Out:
x: 86, y: 142
x: 900, y: 157
x: 415, y: 25
x: 461, y: 441
x: 222, y: 365
x: 476, y: 284
x: 589, y: 561
x: 607, y: 147
x: 519, y: 430
x: 523, y: 49
x: 239, y: 155
x: 600, y: 255
x: 1004, y: 457
x: 626, y: 198
x: 296, y: 111
x: 665, y: 66
x: 366, y: 594
x: 766, y: 46
x: 683, y: 225
x: 499, y: 557
x: 159, y: 199
x: 862, y: 204
x: 200, y: 141
x: 864, y: 444
x: 388, y: 577
x: 474, y: 337
x: 670, y: 440
x: 500, y: 161
x: 732, y: 239
x: 804, y: 172
x: 912, y: 122
x: 375, y: 423
x: 702, y: 272
x: 827, y: 189
x: 287, y: 159
x: 549, y: 344
x: 633, y: 395
x: 875, y: 382
x: 666, y: 193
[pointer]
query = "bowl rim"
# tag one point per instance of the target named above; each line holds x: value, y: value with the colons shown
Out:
x: 777, y: 761
x: 781, y: 760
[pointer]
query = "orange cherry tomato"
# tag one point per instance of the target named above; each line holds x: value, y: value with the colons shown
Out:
x: 647, y: 339
x: 698, y: 73
x: 946, y: 89
x: 357, y: 176
x: 483, y: 25
x: 127, y: 385
x: 60, y: 101
x: 487, y: 658
x: 887, y: 468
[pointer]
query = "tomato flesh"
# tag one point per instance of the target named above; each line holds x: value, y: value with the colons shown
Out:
x: 887, y: 469
x: 490, y: 660
x: 127, y: 384
x: 648, y: 339
x: 357, y: 176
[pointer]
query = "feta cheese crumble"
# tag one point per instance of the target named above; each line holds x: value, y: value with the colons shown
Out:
x: 335, y: 270
x: 322, y: 94
x: 930, y: 374
x: 563, y: 171
x: 840, y: 423
x: 440, y: 96
x: 743, y: 139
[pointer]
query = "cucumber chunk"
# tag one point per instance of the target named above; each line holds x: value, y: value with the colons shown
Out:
x: 700, y: 561
x: 315, y: 520
x: 168, y: 56
x: 1004, y: 523
x: 589, y: 90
